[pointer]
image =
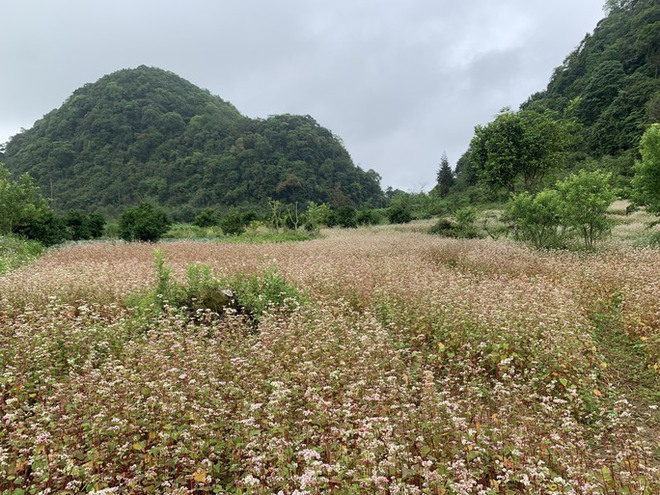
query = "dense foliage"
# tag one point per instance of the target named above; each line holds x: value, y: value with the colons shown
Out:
x: 610, y: 82
x: 576, y: 207
x: 400, y: 210
x: 647, y: 171
x: 144, y: 222
x: 147, y: 134
x: 536, y: 219
x: 518, y: 149
x: 585, y: 199
x: 607, y: 92
x: 20, y: 201
x: 26, y: 213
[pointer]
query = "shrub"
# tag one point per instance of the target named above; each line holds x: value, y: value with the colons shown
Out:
x: 347, y: 217
x: 399, y: 212
x: 248, y: 294
x: 83, y: 227
x: 578, y: 206
x: 316, y: 216
x: 44, y: 226
x: 537, y: 219
x: 112, y: 230
x: 257, y: 293
x: 368, y: 217
x: 443, y: 227
x: 143, y: 223
x: 463, y: 226
x: 465, y: 223
x: 249, y: 217
x: 96, y: 225
x: 206, y: 218
x: 232, y: 223
x: 585, y: 197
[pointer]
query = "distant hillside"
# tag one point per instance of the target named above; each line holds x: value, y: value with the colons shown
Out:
x: 607, y: 92
x: 147, y: 134
x: 611, y: 83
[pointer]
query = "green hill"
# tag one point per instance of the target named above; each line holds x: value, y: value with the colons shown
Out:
x: 147, y: 134
x: 610, y: 83
x: 607, y: 92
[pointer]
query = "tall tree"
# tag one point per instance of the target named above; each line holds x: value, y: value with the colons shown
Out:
x: 520, y: 148
x: 646, y: 183
x: 20, y: 201
x: 466, y: 174
x: 445, y: 176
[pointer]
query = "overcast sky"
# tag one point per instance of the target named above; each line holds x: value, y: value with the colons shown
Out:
x: 400, y: 81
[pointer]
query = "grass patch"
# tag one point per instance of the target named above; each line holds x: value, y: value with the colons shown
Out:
x: 254, y: 235
x: 270, y: 237
x: 205, y: 297
x: 190, y: 231
x: 15, y: 252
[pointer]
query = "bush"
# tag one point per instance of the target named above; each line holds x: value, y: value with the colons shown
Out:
x: 443, y: 227
x: 143, y: 223
x: 206, y: 218
x: 205, y: 296
x: 368, y: 217
x: 465, y: 223
x: 257, y: 293
x: 317, y: 216
x: 44, y: 226
x: 83, y: 227
x: 96, y: 225
x: 578, y: 207
x: 537, y: 219
x: 399, y: 212
x: 232, y: 223
x: 347, y: 217
x: 249, y: 217
x: 112, y: 230
x: 585, y: 197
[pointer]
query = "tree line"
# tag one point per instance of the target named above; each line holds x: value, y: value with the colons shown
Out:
x: 26, y: 212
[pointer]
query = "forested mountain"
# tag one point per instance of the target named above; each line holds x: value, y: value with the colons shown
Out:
x: 607, y: 93
x: 610, y: 83
x: 147, y: 134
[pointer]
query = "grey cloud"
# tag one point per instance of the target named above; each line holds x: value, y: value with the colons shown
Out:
x: 398, y: 80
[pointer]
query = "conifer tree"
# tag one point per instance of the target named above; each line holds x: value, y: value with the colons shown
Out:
x: 446, y: 179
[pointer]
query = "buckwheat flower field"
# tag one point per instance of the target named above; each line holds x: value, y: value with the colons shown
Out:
x: 409, y: 364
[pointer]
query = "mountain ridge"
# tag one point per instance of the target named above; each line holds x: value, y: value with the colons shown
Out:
x: 148, y: 134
